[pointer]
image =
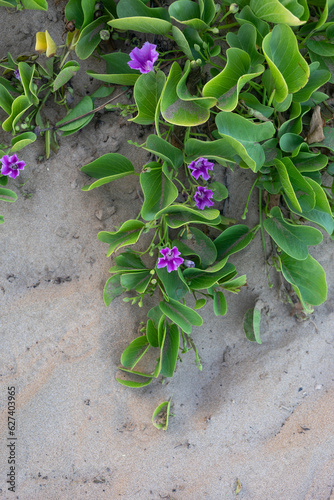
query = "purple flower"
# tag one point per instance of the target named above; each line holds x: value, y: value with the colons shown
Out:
x: 201, y: 167
x: 202, y: 197
x: 11, y: 166
x: 17, y: 74
x: 144, y: 58
x: 189, y: 263
x: 170, y: 259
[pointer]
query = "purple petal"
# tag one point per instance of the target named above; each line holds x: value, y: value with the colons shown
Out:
x: 171, y: 266
x: 20, y: 165
x: 5, y: 160
x: 13, y: 159
x: 5, y: 170
x: 161, y: 263
x: 13, y: 174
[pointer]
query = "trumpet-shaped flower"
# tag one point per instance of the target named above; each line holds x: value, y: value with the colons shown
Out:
x: 44, y: 43
x: 11, y: 166
x: 203, y: 197
x: 201, y: 167
x: 189, y: 263
x: 144, y: 58
x: 17, y: 74
x: 170, y: 259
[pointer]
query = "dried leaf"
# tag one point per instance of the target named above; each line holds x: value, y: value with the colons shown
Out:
x: 316, y: 133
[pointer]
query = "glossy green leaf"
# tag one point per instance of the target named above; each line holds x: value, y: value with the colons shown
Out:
x: 90, y: 37
x: 178, y: 111
x: 152, y: 333
x: 184, y: 93
x: 118, y: 71
x: 107, y: 168
x: 7, y: 195
x: 127, y: 261
x: 170, y: 351
x: 274, y: 11
x: 180, y: 314
x: 85, y: 105
x: 138, y: 280
x: 254, y: 106
x: 232, y: 240
x: 21, y: 141
x: 289, y: 70
x: 318, y: 77
x: 321, y: 214
x: 112, y: 289
x: 307, y: 276
x: 159, y: 191
x: 251, y: 325
x: 244, y: 136
x: 182, y: 42
x: 200, y: 303
x: 290, y: 143
x: 35, y: 4
x: 165, y: 408
x: 303, y: 190
x: 227, y: 85
x: 73, y: 12
x: 247, y: 16
x: 188, y: 13
x: 19, y: 106
x: 245, y: 39
x: 328, y: 142
x: 67, y: 72
x: 219, y: 304
x: 220, y: 191
x: 199, y: 244
x: 200, y: 279
x: 207, y: 10
x: 6, y: 99
x: 135, y: 15
x: 158, y: 146
x: 8, y: 3
x: 173, y: 284
x: 219, y: 150
x: 147, y: 91
x: 234, y: 285
x: 134, y: 352
x: 155, y: 314
x: 127, y: 234
x: 292, y: 239
x: 133, y: 384
x: 294, y: 124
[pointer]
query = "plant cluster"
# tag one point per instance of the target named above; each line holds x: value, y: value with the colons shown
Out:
x: 225, y: 85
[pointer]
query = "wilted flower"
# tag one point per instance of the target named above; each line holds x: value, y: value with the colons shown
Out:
x: 202, y: 197
x: 11, y: 166
x: 189, y: 263
x: 144, y: 58
x: 44, y: 43
x: 170, y: 259
x: 17, y: 74
x: 201, y: 167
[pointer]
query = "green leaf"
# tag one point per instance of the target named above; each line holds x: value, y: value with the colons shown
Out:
x: 158, y: 146
x: 147, y: 91
x: 245, y: 39
x: 127, y: 262
x: 227, y: 85
x: 244, y: 136
x: 180, y: 314
x: 182, y: 42
x: 134, y: 352
x: 19, y: 106
x: 134, y: 15
x: 219, y: 304
x: 200, y: 279
x: 289, y: 70
x: 234, y: 285
x: 173, y: 284
x: 35, y: 4
x: 21, y: 141
x: 274, y: 11
x: 155, y: 314
x: 219, y: 150
x: 232, y: 240
x: 318, y: 77
x: 107, y: 168
x: 251, y: 325
x: 90, y: 37
x: 328, y: 142
x: 199, y: 244
x: 112, y: 289
x: 246, y: 16
x: 7, y: 195
x: 7, y: 3
x: 152, y: 333
x: 84, y: 106
x: 127, y: 234
x: 219, y: 191
x: 292, y: 239
x: 170, y: 351
x: 307, y: 277
x: 67, y: 72
x: 188, y: 13
x: 27, y: 74
x: 73, y: 12
x: 257, y: 109
x: 159, y: 191
x: 200, y: 303
x: 138, y: 280
x: 159, y: 409
x: 178, y: 111
x: 135, y: 385
x: 118, y: 71
x: 303, y: 190
x: 209, y: 214
x: 6, y: 99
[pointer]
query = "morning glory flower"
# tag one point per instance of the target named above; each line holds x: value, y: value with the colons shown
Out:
x: 144, y: 58
x: 170, y: 259
x: 201, y: 167
x: 17, y: 74
x: 203, y: 197
x: 11, y: 166
x: 189, y: 263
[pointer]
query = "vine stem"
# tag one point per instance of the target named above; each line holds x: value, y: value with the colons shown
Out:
x: 248, y: 198
x: 55, y: 127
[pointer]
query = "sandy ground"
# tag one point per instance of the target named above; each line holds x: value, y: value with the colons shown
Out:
x: 259, y: 418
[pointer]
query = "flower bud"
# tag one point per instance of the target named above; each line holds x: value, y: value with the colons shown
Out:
x: 198, y: 62
x: 104, y: 34
x: 205, y: 45
x: 152, y: 271
x: 197, y: 47
x: 189, y: 263
x: 154, y: 281
x: 215, y: 31
x: 234, y: 8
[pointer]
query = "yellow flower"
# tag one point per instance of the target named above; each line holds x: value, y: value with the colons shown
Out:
x: 44, y: 43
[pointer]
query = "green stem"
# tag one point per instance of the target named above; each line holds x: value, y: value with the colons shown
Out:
x: 248, y: 198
